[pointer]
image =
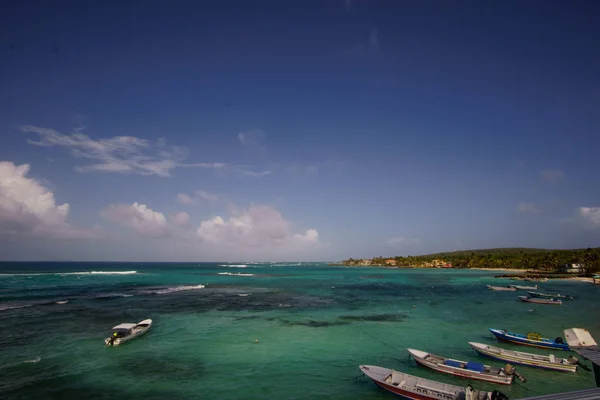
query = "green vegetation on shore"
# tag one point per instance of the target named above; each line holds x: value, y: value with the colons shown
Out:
x: 509, y: 258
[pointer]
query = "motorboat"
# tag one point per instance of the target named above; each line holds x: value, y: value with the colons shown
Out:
x: 531, y: 339
x: 126, y: 331
x: 501, y: 288
x: 550, y: 362
x: 529, y: 299
x: 414, y: 388
x: 465, y: 369
x: 551, y: 296
x: 521, y: 287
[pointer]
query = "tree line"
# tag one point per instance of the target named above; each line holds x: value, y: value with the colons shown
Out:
x: 535, y: 259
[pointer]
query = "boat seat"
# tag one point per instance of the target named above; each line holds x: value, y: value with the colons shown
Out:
x: 401, y: 384
x: 552, y: 358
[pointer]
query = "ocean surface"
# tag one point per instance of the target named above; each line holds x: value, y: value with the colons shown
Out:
x: 314, y: 325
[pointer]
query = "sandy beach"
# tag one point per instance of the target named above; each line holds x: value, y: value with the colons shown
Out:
x: 580, y: 279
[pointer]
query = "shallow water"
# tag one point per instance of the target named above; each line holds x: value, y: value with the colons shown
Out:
x: 314, y: 325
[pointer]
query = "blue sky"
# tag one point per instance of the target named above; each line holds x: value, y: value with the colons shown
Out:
x: 314, y: 130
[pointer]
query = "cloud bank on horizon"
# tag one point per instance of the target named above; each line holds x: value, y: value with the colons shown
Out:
x: 402, y: 132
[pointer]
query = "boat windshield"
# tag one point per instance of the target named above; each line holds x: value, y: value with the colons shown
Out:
x: 121, y: 332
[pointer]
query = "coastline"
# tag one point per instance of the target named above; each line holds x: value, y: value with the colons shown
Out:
x: 499, y: 269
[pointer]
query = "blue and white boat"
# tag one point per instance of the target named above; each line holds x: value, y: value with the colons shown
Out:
x: 531, y: 339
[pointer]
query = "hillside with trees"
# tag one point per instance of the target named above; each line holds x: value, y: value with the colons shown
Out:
x: 543, y: 260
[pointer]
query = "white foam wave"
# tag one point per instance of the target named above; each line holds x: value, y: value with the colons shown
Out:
x: 179, y: 289
x: 35, y: 360
x: 244, y: 294
x: 14, y: 306
x: 62, y: 302
x: 100, y: 273
x: 234, y: 265
x: 76, y: 273
x: 234, y: 274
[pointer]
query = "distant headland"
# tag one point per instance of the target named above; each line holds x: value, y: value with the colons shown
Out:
x: 574, y: 262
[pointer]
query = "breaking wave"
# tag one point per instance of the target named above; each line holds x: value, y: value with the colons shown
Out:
x: 235, y: 274
x: 99, y: 273
x: 76, y: 273
x: 13, y: 306
x: 35, y: 360
x: 178, y: 289
x: 233, y: 265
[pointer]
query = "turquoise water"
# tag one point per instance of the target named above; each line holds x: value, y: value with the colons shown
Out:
x: 314, y: 325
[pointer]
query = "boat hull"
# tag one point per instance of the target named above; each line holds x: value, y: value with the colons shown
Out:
x: 528, y: 363
x: 526, y: 299
x: 504, y: 337
x: 399, y: 392
x: 464, y: 373
x: 142, y: 328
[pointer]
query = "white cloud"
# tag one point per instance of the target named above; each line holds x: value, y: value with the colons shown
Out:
x: 27, y: 207
x: 401, y: 240
x: 181, y: 219
x: 127, y: 154
x: 140, y: 218
x: 198, y: 196
x: 256, y: 174
x: 553, y: 175
x: 253, y: 137
x: 524, y: 207
x: 259, y: 226
x: 185, y: 199
x: 591, y: 214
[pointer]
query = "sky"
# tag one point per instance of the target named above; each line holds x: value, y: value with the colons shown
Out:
x: 296, y: 130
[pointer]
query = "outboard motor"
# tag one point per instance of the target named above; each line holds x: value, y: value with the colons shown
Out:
x: 572, y: 360
x: 497, y: 395
x: 509, y: 369
x: 559, y: 340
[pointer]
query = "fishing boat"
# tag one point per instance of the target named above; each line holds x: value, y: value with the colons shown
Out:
x: 414, y: 388
x: 124, y: 332
x: 529, y: 299
x: 501, y: 288
x: 550, y: 296
x: 532, y: 339
x: 465, y: 369
x: 520, y: 287
x: 549, y: 362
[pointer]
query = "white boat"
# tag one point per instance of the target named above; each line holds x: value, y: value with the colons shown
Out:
x: 414, y: 388
x: 529, y: 359
x: 501, y: 288
x: 464, y: 369
x: 521, y: 287
x: 127, y: 331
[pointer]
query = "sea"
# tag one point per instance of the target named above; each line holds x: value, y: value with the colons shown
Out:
x: 261, y: 331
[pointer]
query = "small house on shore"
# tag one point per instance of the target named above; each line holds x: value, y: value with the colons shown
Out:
x: 573, y: 269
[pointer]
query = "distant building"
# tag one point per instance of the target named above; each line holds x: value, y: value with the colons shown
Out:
x: 391, y: 261
x: 572, y: 268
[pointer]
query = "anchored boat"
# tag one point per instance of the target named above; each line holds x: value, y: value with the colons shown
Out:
x: 529, y: 299
x: 501, y: 288
x: 127, y: 331
x: 550, y: 296
x: 521, y: 287
x: 466, y: 369
x: 414, y: 388
x: 532, y: 339
x: 531, y: 360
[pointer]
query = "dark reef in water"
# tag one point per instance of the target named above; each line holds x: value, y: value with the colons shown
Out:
x: 376, y: 317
